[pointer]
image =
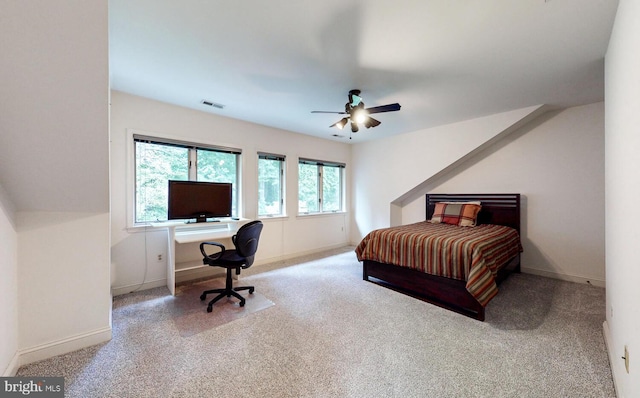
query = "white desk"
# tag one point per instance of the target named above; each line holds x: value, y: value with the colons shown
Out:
x: 179, y: 232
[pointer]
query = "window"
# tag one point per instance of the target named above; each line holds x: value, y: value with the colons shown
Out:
x: 158, y: 160
x: 270, y: 185
x: 320, y: 186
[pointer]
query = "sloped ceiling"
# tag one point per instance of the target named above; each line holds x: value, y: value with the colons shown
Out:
x: 272, y: 63
x: 442, y: 60
x: 54, y: 105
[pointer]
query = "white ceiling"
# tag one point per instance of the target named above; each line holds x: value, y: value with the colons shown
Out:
x: 443, y: 60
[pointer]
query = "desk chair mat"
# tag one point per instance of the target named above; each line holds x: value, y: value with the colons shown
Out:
x: 190, y: 315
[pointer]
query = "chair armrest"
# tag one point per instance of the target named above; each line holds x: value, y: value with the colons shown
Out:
x: 213, y: 256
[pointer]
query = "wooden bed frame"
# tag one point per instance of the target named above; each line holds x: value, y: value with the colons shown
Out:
x: 501, y: 209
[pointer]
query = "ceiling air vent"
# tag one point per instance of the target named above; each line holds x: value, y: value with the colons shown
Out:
x: 213, y: 104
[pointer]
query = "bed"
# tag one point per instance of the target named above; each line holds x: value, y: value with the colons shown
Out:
x: 463, y: 277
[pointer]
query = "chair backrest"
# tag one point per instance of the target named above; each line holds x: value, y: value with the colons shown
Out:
x: 246, y: 241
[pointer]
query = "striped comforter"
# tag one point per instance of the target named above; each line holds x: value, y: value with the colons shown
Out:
x: 472, y: 254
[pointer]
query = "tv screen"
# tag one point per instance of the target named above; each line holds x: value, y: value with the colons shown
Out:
x: 199, y: 200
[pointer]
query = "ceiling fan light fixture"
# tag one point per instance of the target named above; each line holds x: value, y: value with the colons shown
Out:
x: 342, y: 123
x: 360, y: 116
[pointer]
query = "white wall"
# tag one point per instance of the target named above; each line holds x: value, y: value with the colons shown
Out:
x: 54, y: 74
x: 64, y: 297
x: 8, y: 288
x: 54, y: 153
x: 134, y: 250
x: 622, y: 82
x: 389, y: 169
x: 558, y: 168
x: 556, y: 162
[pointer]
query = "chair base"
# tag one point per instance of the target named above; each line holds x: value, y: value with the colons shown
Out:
x: 228, y: 291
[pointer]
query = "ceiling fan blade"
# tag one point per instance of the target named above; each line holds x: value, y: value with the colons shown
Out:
x: 358, y: 114
x: 371, y: 122
x: 384, y: 108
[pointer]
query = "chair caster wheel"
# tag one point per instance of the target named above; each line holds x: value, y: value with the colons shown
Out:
x: 242, y: 304
x: 251, y: 290
x: 202, y: 297
x: 209, y: 309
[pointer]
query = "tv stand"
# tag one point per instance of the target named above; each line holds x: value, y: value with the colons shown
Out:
x: 182, y: 233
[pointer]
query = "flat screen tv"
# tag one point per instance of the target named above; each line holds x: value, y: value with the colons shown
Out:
x: 199, y: 200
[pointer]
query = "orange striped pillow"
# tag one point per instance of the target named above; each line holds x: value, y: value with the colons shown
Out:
x: 463, y: 214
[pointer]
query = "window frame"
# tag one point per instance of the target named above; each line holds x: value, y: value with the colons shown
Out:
x: 134, y: 136
x: 282, y: 165
x: 321, y: 164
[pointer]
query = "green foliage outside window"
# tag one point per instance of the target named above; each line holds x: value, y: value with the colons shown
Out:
x: 308, y: 192
x: 269, y: 187
x: 319, y: 187
x: 331, y: 187
x: 157, y: 163
x: 155, y: 166
x: 214, y: 166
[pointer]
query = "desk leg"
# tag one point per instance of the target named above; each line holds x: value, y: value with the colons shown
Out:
x: 171, y: 260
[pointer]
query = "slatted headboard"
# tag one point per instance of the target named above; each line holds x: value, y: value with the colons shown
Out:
x: 497, y: 208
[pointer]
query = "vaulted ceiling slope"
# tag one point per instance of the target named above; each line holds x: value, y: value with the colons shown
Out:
x: 443, y: 60
x: 54, y: 106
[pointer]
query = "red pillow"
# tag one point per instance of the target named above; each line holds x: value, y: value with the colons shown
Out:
x: 463, y: 214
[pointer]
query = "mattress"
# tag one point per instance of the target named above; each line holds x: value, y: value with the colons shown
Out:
x: 471, y: 254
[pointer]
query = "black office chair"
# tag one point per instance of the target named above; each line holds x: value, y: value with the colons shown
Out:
x: 246, y: 243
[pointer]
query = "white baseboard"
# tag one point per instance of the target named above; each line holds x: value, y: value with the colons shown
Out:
x: 612, y: 358
x: 63, y: 346
x: 564, y: 277
x: 298, y: 254
x: 13, y: 367
x: 116, y: 291
x: 212, y: 272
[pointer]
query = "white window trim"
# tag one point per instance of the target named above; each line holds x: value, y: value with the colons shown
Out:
x: 343, y: 192
x: 131, y: 223
x: 283, y: 193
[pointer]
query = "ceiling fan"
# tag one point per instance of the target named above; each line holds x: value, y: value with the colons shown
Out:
x: 358, y: 114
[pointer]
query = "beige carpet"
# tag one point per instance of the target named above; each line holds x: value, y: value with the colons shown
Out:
x: 190, y: 315
x: 331, y: 334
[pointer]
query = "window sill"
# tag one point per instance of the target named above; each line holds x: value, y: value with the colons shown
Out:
x: 336, y: 213
x: 138, y: 228
x: 278, y: 217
